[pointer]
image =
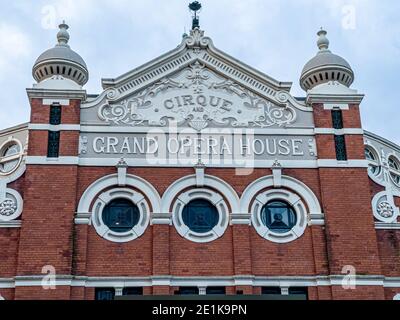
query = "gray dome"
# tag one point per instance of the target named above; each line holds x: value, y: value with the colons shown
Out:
x: 61, y: 60
x: 325, y: 67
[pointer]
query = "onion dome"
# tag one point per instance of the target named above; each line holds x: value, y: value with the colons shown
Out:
x: 325, y: 67
x: 61, y: 61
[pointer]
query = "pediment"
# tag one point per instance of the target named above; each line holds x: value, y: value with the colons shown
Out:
x: 198, y: 85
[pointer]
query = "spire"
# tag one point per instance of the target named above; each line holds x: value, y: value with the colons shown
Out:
x: 323, y: 42
x: 63, y: 35
x: 195, y: 7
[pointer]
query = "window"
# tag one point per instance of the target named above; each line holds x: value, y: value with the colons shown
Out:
x: 279, y: 216
x: 373, y: 161
x: 121, y: 215
x: 299, y: 293
x: 103, y: 294
x: 137, y: 291
x: 187, y: 291
x: 340, y: 146
x: 394, y: 167
x: 53, y: 147
x: 337, y: 119
x: 9, y: 158
x: 271, y: 291
x: 200, y: 216
x: 55, y: 114
x: 216, y: 291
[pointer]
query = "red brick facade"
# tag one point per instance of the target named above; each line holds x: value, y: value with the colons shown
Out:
x: 49, y: 236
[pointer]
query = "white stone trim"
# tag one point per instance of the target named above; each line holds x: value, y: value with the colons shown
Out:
x: 290, y: 183
x: 132, y: 181
x: 104, y: 199
x: 14, y: 198
x: 194, y: 194
x: 61, y: 102
x: 50, y: 127
x: 384, y: 197
x: 387, y: 226
x: 173, y: 281
x: 211, y: 182
x: 350, y: 131
x: 342, y: 164
x: 396, y: 297
x: 10, y: 224
x: 61, y: 161
x: 296, y: 203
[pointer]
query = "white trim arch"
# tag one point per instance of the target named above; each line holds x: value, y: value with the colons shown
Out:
x: 191, y: 181
x: 290, y: 183
x: 101, y: 184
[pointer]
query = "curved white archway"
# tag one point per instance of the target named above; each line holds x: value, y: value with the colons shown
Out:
x: 290, y: 183
x: 212, y: 182
x: 112, y: 180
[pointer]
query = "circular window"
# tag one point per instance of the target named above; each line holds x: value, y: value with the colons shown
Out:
x: 10, y: 157
x: 200, y: 216
x: 373, y: 161
x: 278, y: 216
x: 394, y: 167
x: 121, y: 215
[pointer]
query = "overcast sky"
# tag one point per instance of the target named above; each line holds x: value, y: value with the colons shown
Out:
x: 276, y: 37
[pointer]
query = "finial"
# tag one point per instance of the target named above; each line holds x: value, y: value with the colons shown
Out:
x: 195, y: 7
x: 323, y: 42
x: 63, y: 35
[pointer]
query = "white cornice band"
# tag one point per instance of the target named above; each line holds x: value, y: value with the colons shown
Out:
x: 172, y: 281
x: 165, y: 163
x: 49, y: 127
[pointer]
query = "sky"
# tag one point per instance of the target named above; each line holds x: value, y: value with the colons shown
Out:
x: 276, y: 37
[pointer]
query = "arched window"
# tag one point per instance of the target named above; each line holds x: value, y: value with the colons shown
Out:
x: 373, y: 161
x: 279, y: 216
x: 394, y: 167
x: 121, y: 215
x: 200, y: 216
x: 9, y: 158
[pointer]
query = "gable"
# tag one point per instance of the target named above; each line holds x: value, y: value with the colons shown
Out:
x: 199, y: 86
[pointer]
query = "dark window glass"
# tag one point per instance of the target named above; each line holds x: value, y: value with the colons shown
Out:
x: 121, y: 215
x: 300, y: 293
x: 271, y: 291
x: 200, y: 216
x: 53, y: 147
x: 105, y: 294
x: 55, y: 115
x: 278, y: 216
x: 340, y: 145
x: 216, y: 290
x: 337, y: 119
x: 132, y: 291
x: 187, y: 291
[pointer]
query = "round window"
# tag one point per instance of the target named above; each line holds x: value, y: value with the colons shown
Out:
x: 200, y: 216
x: 121, y: 215
x: 373, y: 162
x: 9, y: 158
x: 394, y: 167
x: 278, y: 216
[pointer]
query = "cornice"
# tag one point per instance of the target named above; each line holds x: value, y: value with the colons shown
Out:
x: 34, y: 93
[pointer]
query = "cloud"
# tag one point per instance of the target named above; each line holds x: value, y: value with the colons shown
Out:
x: 14, y: 45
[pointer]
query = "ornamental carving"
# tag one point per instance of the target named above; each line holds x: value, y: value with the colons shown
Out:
x: 385, y: 209
x: 7, y: 208
x: 198, y: 97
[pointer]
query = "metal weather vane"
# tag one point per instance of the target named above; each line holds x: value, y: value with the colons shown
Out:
x: 195, y: 7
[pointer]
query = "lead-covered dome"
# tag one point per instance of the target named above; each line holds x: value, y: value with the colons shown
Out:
x: 325, y: 67
x: 61, y: 61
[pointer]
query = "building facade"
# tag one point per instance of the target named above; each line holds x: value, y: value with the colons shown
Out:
x: 197, y: 174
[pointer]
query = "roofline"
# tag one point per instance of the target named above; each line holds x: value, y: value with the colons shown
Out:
x: 382, y: 140
x: 19, y: 127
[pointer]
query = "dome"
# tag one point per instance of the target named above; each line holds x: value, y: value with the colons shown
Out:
x: 61, y: 60
x: 325, y: 67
